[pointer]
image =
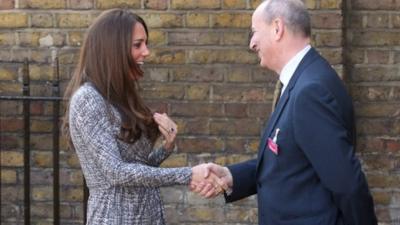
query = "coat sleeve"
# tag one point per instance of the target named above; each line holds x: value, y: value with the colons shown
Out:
x: 158, y: 155
x: 244, y: 180
x: 320, y: 131
x: 91, y: 131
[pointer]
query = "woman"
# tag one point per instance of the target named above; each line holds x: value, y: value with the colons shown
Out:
x: 114, y: 132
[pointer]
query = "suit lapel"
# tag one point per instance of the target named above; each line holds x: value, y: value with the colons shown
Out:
x: 308, y: 58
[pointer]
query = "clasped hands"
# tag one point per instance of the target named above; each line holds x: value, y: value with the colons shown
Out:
x: 209, y: 180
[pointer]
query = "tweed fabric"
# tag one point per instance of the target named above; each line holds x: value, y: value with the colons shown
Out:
x: 123, y: 179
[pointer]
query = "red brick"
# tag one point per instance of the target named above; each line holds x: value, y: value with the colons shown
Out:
x: 71, y: 194
x: 376, y: 93
x: 163, y: 20
x: 11, y: 124
x: 377, y: 163
x: 250, y: 216
x: 12, y: 193
x: 378, y: 56
x: 235, y: 110
x: 265, y: 76
x: 382, y: 198
x: 396, y: 57
x: 393, y: 145
x: 333, y: 55
x: 208, y: 56
x: 241, y: 145
x: 158, y: 106
x: 356, y: 20
x: 69, y: 160
x: 7, y: 4
x: 155, y: 74
x: 369, y: 144
x: 241, y: 127
x: 232, y: 159
x: 332, y: 20
x: 193, y: 38
x: 193, y: 126
x: 11, y: 142
x: 238, y: 94
x: 378, y: 21
x: 80, y: 4
x: 356, y: 55
x: 379, y: 126
x: 200, y: 145
x: 203, y: 214
x: 260, y: 110
x: 197, y: 92
x: 42, y: 159
x: 164, y: 91
x: 41, y: 142
x: 156, y: 4
x: 376, y: 38
x: 42, y: 210
x: 371, y: 110
x: 396, y: 20
x: 198, y: 74
x: 13, y: 213
x: 329, y: 39
x: 375, y: 73
x: 41, y: 176
x: 166, y: 56
x: 239, y: 74
x: 331, y: 4
x: 375, y: 5
x: 197, y: 109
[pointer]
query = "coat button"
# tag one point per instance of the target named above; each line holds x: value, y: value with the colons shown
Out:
x: 259, y: 184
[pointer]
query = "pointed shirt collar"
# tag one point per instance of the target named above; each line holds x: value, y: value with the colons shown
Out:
x: 290, y: 67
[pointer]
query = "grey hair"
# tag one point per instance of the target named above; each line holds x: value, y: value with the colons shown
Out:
x: 293, y: 12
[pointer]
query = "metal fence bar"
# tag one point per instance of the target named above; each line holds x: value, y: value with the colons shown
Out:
x: 31, y: 98
x: 56, y: 99
x: 56, y: 145
x: 85, y: 200
x: 27, y: 163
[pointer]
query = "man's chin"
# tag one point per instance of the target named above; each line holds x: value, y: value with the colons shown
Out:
x: 263, y: 64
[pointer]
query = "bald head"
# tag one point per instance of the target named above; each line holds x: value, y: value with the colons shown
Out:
x: 293, y: 13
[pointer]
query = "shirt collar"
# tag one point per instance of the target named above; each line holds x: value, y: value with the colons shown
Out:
x: 290, y: 67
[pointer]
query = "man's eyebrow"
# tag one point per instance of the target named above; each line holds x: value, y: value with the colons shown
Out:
x: 251, y: 33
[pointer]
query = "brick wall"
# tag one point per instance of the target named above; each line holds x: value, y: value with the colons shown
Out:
x: 373, y: 38
x: 201, y: 71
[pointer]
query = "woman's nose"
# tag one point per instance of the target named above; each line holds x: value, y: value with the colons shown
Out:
x: 146, y: 51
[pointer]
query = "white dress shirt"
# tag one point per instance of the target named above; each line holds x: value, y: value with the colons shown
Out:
x: 288, y: 70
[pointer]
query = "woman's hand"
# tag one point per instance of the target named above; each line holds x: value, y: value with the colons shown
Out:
x: 168, y: 129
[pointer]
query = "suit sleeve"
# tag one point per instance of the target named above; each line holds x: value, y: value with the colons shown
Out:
x: 244, y: 180
x: 320, y: 131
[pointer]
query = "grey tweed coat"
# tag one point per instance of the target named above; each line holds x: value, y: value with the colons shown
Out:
x: 123, y: 179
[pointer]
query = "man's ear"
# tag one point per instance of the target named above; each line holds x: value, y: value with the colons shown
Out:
x: 279, y: 28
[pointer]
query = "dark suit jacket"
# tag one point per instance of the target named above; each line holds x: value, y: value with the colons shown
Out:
x: 315, y: 178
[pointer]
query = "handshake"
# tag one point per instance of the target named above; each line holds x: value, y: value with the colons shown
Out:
x: 209, y: 180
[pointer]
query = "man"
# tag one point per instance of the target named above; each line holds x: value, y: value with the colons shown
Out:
x: 306, y: 171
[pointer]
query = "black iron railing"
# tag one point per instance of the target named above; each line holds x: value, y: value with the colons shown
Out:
x: 56, y: 100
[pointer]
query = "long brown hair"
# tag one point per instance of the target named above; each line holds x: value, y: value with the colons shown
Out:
x: 106, y: 61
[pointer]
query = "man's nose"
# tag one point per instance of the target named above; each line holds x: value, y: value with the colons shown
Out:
x: 252, y: 45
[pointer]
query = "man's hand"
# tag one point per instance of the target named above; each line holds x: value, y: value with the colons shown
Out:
x: 213, y: 178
